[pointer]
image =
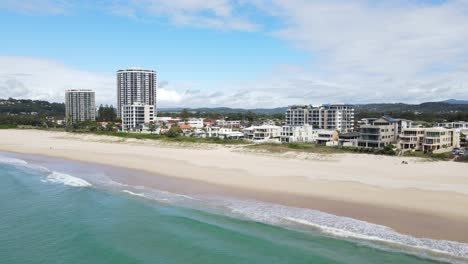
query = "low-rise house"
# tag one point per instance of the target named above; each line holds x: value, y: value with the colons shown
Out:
x: 216, y: 131
x: 294, y: 133
x: 379, y: 132
x: 349, y: 139
x: 230, y: 123
x: 186, y: 129
x: 231, y: 135
x: 327, y: 137
x: 456, y: 125
x: 263, y: 133
x: 195, y: 122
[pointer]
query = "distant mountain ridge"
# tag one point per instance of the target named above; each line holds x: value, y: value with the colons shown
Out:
x: 449, y: 106
x: 455, y: 101
x: 388, y: 108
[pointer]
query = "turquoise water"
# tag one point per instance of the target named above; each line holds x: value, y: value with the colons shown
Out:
x: 46, y: 219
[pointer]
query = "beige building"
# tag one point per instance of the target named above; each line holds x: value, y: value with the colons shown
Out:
x: 327, y: 137
x: 440, y: 139
x: 411, y: 139
x: 378, y: 133
x: 435, y: 139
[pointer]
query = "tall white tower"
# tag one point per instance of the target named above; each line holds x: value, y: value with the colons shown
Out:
x: 135, y: 85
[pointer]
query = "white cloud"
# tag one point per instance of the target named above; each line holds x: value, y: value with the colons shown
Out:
x: 363, y: 51
x: 22, y: 77
x: 37, y: 7
x: 215, y: 14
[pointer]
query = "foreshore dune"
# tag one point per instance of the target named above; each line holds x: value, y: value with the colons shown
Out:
x: 422, y: 198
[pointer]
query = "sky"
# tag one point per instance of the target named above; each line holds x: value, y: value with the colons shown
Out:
x: 238, y: 53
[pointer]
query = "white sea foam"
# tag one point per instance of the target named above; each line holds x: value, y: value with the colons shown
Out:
x: 13, y: 161
x: 57, y: 177
x: 133, y: 193
x: 346, y: 227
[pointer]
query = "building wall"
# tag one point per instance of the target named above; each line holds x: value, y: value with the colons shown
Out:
x: 332, y: 117
x: 80, y: 106
x: 136, y: 117
x: 135, y: 86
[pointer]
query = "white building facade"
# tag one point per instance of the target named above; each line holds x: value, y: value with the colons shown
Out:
x: 136, y: 85
x: 339, y: 117
x: 137, y: 117
x: 262, y: 133
x: 298, y: 134
x: 80, y: 106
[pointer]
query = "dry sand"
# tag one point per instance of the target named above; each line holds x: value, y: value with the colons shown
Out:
x: 424, y: 198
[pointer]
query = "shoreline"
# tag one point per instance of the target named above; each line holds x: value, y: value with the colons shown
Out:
x: 379, y: 201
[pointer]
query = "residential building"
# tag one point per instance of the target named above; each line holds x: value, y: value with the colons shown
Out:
x: 293, y: 133
x: 262, y: 133
x: 298, y: 115
x: 228, y: 123
x: 379, y: 132
x: 195, y: 122
x: 438, y: 139
x: 411, y: 139
x: 327, y: 137
x: 349, y: 139
x: 79, y: 106
x: 137, y: 117
x: 136, y: 85
x: 339, y: 117
x: 457, y: 125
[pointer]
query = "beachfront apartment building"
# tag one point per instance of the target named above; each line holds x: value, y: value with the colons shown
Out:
x: 379, y: 132
x: 438, y: 139
x: 411, y: 139
x: 137, y: 117
x: 135, y: 85
x: 298, y: 115
x: 262, y: 133
x: 339, y: 117
x: 298, y: 134
x: 80, y: 106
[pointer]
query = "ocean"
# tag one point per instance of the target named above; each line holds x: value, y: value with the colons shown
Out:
x: 56, y: 211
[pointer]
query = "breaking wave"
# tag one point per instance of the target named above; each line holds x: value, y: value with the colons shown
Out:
x: 57, y: 177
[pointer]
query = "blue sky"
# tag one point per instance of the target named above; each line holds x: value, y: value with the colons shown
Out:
x: 238, y: 53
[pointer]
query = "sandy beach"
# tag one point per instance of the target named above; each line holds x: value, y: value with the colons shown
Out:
x: 423, y: 198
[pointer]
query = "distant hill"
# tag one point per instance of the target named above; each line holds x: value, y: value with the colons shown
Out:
x: 378, y: 108
x: 227, y: 110
x: 26, y: 106
x: 429, y: 107
x: 19, y: 106
x: 455, y: 101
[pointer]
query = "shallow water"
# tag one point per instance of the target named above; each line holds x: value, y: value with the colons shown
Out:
x: 49, y: 216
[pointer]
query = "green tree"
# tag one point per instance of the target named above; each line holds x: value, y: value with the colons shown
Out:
x: 152, y: 127
x: 174, y: 131
x: 184, y: 114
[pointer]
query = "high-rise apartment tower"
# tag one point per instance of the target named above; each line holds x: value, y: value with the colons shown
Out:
x: 135, y: 85
x: 79, y: 106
